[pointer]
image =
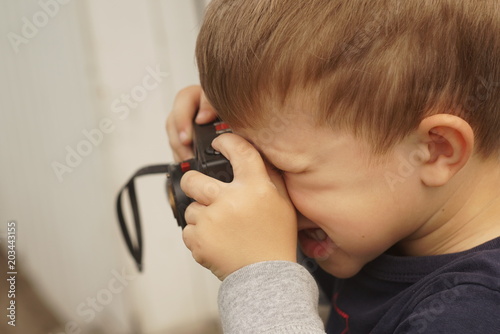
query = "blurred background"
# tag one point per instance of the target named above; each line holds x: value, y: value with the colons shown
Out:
x: 85, y: 89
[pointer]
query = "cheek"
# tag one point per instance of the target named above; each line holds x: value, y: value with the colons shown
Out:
x: 346, y: 210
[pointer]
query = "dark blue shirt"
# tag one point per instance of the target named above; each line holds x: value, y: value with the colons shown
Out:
x: 452, y: 293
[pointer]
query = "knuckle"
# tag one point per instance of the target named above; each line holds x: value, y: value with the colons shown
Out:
x: 246, y: 149
x: 187, y: 91
x: 181, y: 93
x: 188, y: 214
x: 198, y: 257
x: 174, y: 144
x: 186, y: 236
x: 211, y: 188
x: 262, y: 191
x: 187, y: 179
x: 252, y: 153
x: 191, y: 214
x: 197, y: 252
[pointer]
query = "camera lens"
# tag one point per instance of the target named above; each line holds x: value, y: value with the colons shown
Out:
x: 176, y: 197
x: 171, y: 196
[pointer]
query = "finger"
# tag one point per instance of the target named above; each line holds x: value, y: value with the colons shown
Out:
x: 180, y: 119
x: 245, y: 159
x: 200, y: 187
x: 206, y: 113
x: 193, y: 211
x: 181, y: 152
x: 186, y: 104
x: 277, y: 180
x: 188, y: 235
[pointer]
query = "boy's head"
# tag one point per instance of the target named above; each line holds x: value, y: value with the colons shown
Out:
x: 375, y: 68
x: 338, y: 82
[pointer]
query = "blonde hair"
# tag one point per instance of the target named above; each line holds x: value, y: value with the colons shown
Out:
x: 374, y: 67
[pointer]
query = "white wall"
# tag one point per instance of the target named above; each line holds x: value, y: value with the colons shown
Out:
x: 59, y: 81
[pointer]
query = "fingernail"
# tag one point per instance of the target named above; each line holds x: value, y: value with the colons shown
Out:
x: 183, y: 137
x: 202, y: 115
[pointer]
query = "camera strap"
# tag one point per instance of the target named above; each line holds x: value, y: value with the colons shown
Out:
x: 135, y: 248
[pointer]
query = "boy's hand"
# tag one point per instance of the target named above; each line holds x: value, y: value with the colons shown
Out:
x: 235, y: 224
x: 180, y: 120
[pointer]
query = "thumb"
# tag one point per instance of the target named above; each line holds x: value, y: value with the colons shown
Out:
x: 277, y: 180
x: 243, y: 156
x: 206, y: 112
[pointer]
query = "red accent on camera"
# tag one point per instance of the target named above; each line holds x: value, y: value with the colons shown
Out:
x: 221, y: 126
x: 185, y: 166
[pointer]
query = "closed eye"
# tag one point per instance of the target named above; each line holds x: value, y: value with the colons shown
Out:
x: 280, y: 171
x: 277, y: 170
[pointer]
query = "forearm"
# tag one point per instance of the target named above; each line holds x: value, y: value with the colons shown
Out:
x: 270, y: 297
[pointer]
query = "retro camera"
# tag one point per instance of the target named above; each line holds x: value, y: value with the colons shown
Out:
x: 206, y: 160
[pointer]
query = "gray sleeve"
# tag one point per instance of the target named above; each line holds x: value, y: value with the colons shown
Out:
x: 270, y: 297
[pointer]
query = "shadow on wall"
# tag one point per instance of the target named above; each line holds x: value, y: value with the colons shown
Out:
x: 31, y: 315
x: 28, y: 312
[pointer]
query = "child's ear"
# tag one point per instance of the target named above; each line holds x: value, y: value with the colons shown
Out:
x: 449, y: 140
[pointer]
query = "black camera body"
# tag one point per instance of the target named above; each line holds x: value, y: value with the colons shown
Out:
x: 206, y: 160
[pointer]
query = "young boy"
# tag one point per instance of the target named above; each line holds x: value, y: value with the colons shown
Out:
x: 372, y: 128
